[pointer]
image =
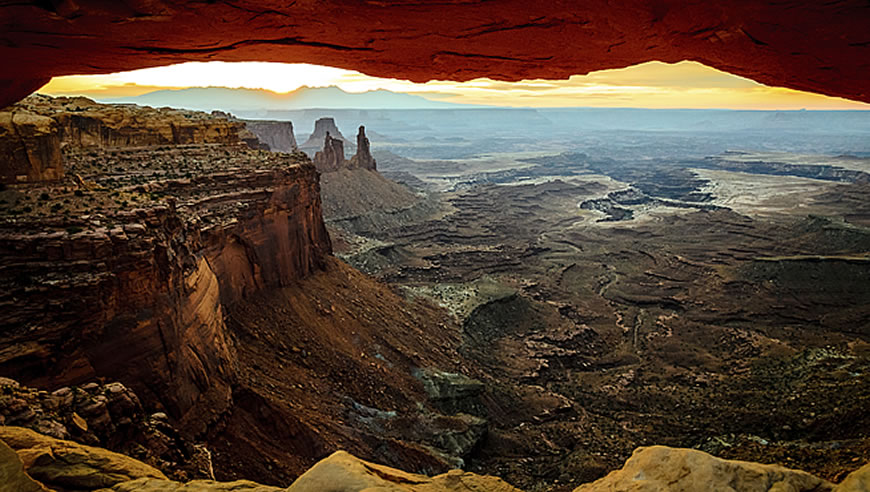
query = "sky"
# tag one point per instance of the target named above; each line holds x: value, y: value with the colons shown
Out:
x: 648, y: 85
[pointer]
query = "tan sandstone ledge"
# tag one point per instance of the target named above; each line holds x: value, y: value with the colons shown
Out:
x: 42, y: 463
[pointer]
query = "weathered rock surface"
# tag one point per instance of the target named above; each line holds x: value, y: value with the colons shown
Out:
x: 451, y: 392
x: 29, y: 147
x: 278, y: 135
x: 12, y: 474
x: 131, y: 280
x: 342, y: 472
x: 331, y: 158
x: 105, y: 415
x: 33, y: 132
x: 664, y: 469
x: 322, y: 128
x: 820, y: 47
x: 857, y: 481
x: 156, y: 485
x: 66, y: 465
x: 84, y: 123
x: 363, y: 158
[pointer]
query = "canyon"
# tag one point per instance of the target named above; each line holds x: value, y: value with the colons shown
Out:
x: 543, y: 308
x: 198, y: 311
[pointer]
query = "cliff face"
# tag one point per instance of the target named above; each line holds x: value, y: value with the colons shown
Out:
x: 278, y: 135
x: 29, y: 147
x: 128, y: 272
x: 130, y: 300
x: 322, y: 128
x: 33, y: 132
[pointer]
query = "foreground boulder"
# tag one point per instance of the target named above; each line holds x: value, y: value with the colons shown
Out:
x: 342, y: 472
x: 664, y: 469
x: 156, y: 485
x: 12, y: 474
x: 66, y: 465
x: 857, y: 481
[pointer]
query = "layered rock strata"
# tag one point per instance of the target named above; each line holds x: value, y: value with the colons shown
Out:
x: 29, y: 147
x: 33, y: 132
x: 278, y: 135
x: 139, y: 293
x: 323, y: 127
x: 125, y: 268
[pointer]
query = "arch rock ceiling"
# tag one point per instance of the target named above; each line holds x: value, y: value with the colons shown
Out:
x: 811, y: 45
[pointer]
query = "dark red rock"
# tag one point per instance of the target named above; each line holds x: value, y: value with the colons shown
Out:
x: 363, y: 158
x: 816, y: 46
x: 331, y: 158
x: 140, y: 294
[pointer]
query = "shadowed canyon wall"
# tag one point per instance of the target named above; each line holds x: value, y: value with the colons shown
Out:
x: 138, y: 292
x: 815, y: 46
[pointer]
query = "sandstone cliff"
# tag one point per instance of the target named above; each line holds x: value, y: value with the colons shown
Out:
x: 29, y: 147
x: 127, y: 269
x: 278, y: 135
x: 33, y: 132
x: 322, y: 128
x: 141, y: 296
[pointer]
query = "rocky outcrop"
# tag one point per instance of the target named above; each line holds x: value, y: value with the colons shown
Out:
x: 451, y: 392
x: 12, y: 474
x: 66, y: 465
x: 29, y: 147
x: 857, y: 481
x: 278, y: 135
x: 664, y: 469
x: 157, y: 485
x: 33, y: 132
x: 322, y: 128
x: 363, y: 158
x: 331, y: 158
x: 342, y: 472
x: 84, y: 123
x: 31, y: 461
x: 108, y: 416
x: 134, y: 282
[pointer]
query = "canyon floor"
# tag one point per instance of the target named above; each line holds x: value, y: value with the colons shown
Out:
x: 533, y: 307
x: 718, y: 303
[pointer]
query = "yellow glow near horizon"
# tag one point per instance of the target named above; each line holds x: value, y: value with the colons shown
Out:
x: 648, y: 85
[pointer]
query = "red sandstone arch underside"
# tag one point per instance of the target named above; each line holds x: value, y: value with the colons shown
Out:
x: 810, y: 45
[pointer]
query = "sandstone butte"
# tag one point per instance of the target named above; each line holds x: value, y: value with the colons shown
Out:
x: 814, y: 46
x: 30, y: 462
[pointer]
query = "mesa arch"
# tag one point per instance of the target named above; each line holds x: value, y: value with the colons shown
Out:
x: 821, y: 47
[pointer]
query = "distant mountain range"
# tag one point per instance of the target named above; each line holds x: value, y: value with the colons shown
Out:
x: 226, y: 99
